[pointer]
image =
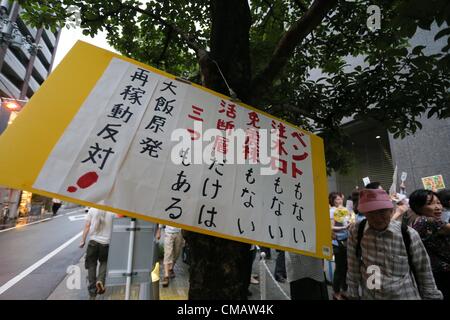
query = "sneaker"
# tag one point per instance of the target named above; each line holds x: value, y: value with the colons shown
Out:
x: 100, y: 287
x: 165, y: 282
x: 171, y: 274
x: 254, y: 281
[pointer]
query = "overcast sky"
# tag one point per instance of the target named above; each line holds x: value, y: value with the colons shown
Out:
x: 70, y: 36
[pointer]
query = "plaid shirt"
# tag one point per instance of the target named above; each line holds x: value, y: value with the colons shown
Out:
x: 387, y: 251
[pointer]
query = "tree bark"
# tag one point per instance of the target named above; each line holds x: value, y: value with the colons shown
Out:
x: 287, y: 44
x: 217, y: 266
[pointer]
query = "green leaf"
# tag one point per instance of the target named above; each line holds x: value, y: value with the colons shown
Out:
x: 417, y: 50
x: 442, y: 33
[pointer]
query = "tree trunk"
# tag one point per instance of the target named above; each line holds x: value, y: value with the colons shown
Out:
x: 218, y: 266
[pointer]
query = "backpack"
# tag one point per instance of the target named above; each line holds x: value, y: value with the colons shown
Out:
x: 406, y: 240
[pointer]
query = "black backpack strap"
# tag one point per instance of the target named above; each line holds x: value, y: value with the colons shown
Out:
x: 407, y: 241
x: 361, y: 227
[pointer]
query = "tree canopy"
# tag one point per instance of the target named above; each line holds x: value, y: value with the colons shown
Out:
x: 268, y: 51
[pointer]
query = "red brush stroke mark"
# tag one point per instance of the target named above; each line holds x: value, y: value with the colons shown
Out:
x: 85, y: 181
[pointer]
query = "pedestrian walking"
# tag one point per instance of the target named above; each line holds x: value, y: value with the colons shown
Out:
x: 386, y: 259
x: 251, y: 278
x: 56, y: 204
x: 173, y: 244
x: 435, y: 234
x: 280, y: 267
x: 99, y: 225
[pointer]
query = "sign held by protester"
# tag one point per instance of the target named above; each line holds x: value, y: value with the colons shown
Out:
x: 433, y: 182
x: 366, y: 181
x: 112, y: 133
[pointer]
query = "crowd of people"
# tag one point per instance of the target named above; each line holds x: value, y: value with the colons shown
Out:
x: 391, y: 246
x: 385, y: 247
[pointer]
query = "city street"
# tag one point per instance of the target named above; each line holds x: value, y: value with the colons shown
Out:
x: 34, y: 258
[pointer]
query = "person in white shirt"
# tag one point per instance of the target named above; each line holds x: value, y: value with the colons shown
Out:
x: 173, y: 244
x: 98, y: 247
x: 56, y: 205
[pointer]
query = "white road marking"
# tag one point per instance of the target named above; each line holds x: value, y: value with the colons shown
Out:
x: 43, y: 220
x: 78, y: 217
x: 30, y: 269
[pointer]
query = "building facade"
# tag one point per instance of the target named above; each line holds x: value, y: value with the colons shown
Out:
x: 423, y: 154
x: 22, y: 72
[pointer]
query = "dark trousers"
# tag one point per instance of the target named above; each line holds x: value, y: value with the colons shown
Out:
x: 55, y: 207
x: 442, y: 280
x: 280, y: 266
x: 340, y: 273
x: 249, y: 268
x: 96, y: 252
x: 308, y: 289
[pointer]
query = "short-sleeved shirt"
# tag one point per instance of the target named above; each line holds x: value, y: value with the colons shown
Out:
x: 103, y: 235
x: 170, y: 229
x: 437, y: 245
x: 341, y: 217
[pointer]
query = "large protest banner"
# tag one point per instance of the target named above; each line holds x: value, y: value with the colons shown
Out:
x: 109, y: 132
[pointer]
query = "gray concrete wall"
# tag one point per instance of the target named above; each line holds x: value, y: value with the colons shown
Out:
x: 424, y: 154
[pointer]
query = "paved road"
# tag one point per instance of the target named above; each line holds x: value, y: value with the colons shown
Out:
x: 34, y: 258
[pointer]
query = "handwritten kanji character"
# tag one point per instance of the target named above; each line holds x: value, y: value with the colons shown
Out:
x: 118, y: 112
x: 169, y: 85
x: 254, y: 120
x: 220, y: 144
x: 225, y: 125
x: 281, y: 129
x: 151, y: 146
x: 110, y: 131
x: 141, y: 75
x: 156, y: 124
x: 164, y: 105
x: 133, y: 94
x: 101, y: 154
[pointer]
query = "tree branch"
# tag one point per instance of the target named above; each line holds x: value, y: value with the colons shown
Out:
x: 288, y: 42
x: 166, y: 45
x: 187, y: 38
x: 295, y: 109
x: 190, y: 40
x: 301, y: 5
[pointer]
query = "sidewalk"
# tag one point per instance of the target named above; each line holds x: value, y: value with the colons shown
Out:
x: 177, y: 289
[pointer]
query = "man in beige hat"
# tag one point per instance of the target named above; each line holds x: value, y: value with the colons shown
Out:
x: 386, y: 259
